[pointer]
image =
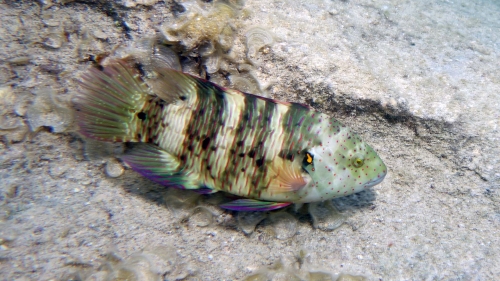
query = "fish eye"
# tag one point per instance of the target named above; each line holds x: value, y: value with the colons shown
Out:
x: 358, y: 161
x: 308, y: 159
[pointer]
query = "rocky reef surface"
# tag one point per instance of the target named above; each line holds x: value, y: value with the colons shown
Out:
x: 419, y: 81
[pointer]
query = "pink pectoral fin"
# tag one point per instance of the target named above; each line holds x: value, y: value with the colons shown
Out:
x: 288, y: 179
x: 289, y: 185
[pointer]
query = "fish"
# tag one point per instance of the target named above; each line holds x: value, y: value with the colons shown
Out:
x: 186, y: 132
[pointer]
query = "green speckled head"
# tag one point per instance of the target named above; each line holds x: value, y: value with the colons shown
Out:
x: 340, y: 164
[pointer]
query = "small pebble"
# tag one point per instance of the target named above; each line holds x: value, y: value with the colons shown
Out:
x: 57, y: 170
x: 212, y: 63
x: 247, y: 221
x: 285, y: 276
x: 4, y: 214
x: 53, y: 40
x: 256, y: 277
x: 7, y: 235
x: 348, y: 277
x: 256, y: 39
x: 201, y: 217
x: 319, y: 276
x: 46, y: 111
x: 181, y: 202
x: 284, y: 225
x: 325, y: 216
x: 22, y: 60
x: 113, y: 168
x: 164, y: 258
x: 100, y: 35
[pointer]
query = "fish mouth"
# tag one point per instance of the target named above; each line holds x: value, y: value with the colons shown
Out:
x: 376, y: 181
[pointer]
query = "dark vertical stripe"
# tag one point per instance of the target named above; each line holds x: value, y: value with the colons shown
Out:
x: 207, y: 110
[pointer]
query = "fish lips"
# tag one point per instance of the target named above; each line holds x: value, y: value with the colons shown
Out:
x: 376, y: 181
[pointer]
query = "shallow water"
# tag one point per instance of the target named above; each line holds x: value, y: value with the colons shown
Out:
x: 418, y: 81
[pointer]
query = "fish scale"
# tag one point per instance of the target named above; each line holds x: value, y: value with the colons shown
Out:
x: 196, y: 135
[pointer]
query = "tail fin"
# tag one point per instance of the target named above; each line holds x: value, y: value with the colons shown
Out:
x: 110, y: 104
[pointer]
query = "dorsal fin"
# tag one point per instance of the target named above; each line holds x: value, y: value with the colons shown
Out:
x: 172, y: 85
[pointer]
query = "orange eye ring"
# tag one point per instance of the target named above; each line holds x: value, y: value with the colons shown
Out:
x: 309, y: 158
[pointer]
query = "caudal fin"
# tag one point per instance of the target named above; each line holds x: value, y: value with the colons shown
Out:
x: 111, y: 103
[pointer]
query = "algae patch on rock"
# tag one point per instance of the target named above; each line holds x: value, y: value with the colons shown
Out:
x: 197, y: 25
x: 12, y: 126
x: 46, y: 111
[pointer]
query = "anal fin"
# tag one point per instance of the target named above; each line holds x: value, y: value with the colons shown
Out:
x: 157, y: 165
x: 253, y: 205
x: 205, y: 190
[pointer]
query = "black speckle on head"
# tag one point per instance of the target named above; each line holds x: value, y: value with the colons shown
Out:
x: 183, y: 158
x: 183, y: 97
x: 239, y: 143
x: 141, y: 115
x: 205, y: 143
x: 213, y: 148
x: 139, y: 136
x: 242, y: 169
x: 259, y: 162
x: 251, y: 153
x: 241, y: 155
x: 290, y: 156
x: 208, y: 168
x: 232, y: 151
x: 246, y: 116
x: 190, y: 147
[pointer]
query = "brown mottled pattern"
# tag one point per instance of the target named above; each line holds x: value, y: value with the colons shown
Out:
x: 237, y: 158
x: 231, y: 140
x: 224, y: 139
x: 298, y: 124
x: 149, y: 119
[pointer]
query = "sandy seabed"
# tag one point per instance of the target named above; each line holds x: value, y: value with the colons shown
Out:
x: 419, y: 81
